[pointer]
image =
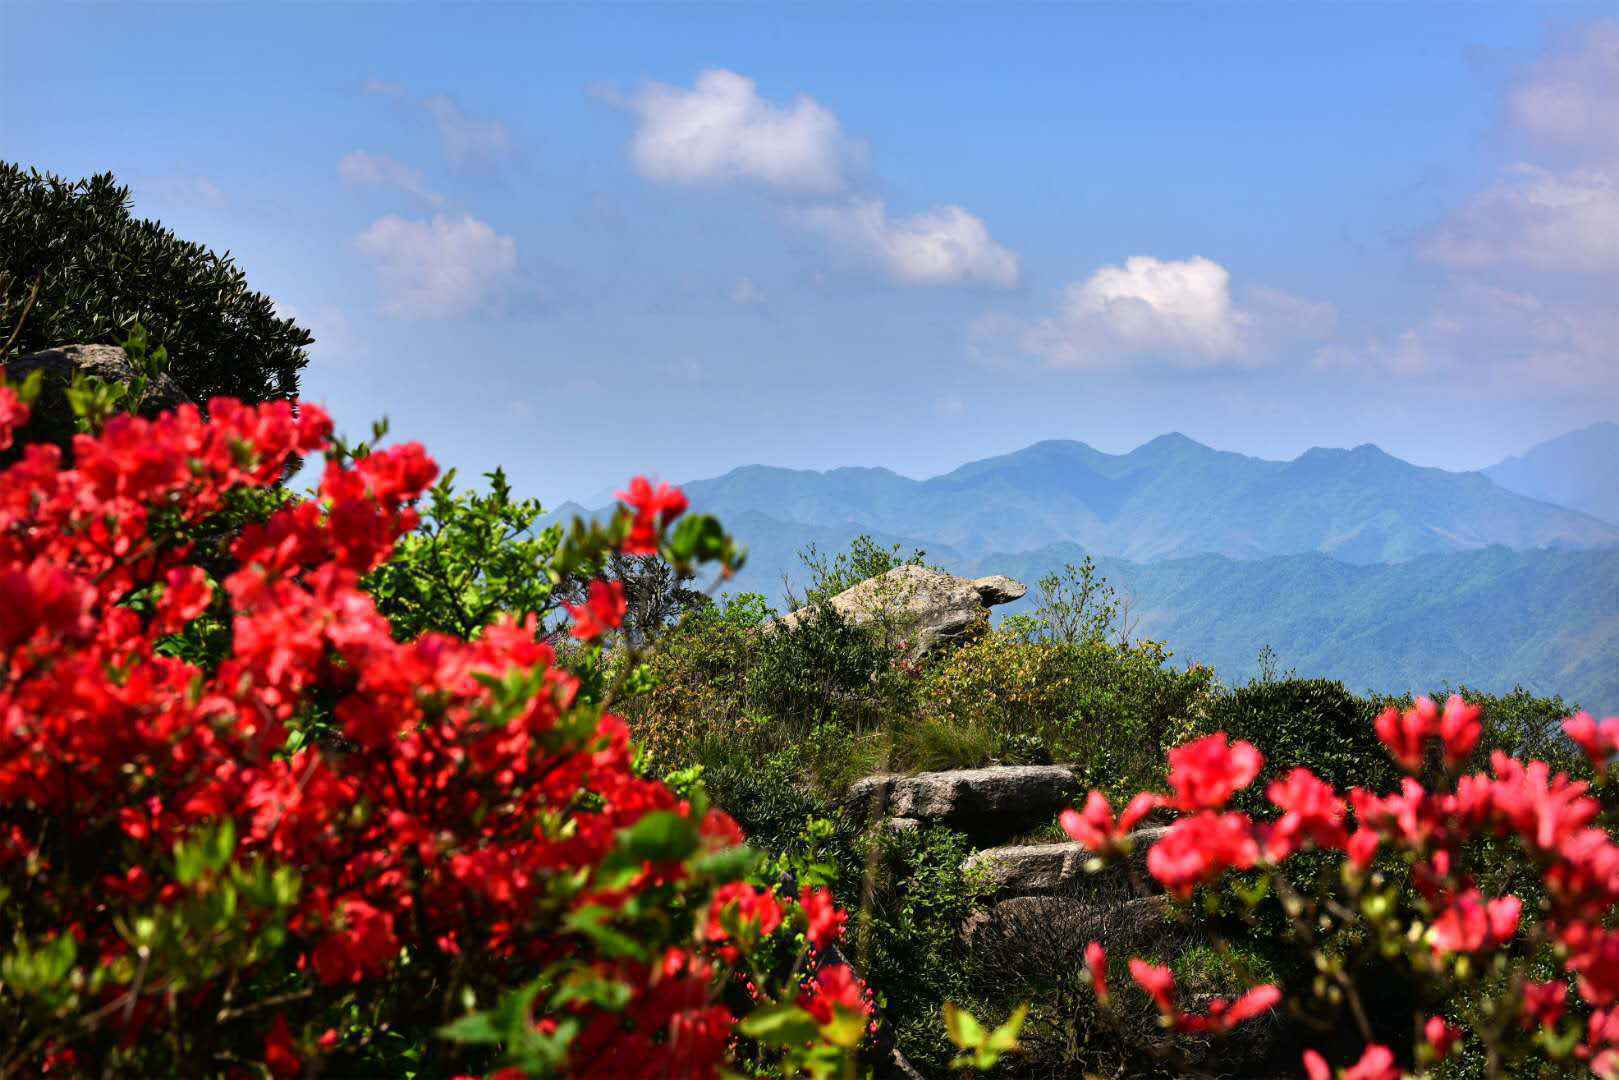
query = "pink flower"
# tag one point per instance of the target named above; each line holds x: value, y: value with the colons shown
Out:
x: 1459, y: 729
x: 1403, y: 733
x: 825, y: 920
x: 1470, y: 924
x: 1315, y: 1066
x: 1543, y: 1003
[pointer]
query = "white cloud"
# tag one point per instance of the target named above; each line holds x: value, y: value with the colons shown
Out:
x: 721, y: 130
x: 440, y: 268
x: 467, y: 139
x: 1484, y: 336
x: 1535, y: 218
x: 1562, y: 217
x: 361, y: 169
x: 182, y: 190
x: 1180, y: 313
x: 942, y: 246
x: 1570, y: 97
x: 746, y: 293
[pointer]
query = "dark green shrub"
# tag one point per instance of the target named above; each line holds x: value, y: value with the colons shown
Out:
x: 86, y: 271
x: 1316, y: 723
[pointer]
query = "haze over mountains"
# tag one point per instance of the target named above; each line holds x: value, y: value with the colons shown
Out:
x: 1169, y: 498
x: 1351, y: 564
x: 1575, y: 470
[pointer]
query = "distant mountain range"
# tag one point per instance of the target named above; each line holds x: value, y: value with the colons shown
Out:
x: 1576, y: 470
x: 1351, y: 564
x: 1170, y: 498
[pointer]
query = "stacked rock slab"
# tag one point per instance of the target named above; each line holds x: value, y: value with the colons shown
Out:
x: 925, y: 608
x: 989, y: 804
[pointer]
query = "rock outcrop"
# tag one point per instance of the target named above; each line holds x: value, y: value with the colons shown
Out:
x: 108, y: 362
x: 924, y: 608
x: 1054, y: 869
x: 987, y: 804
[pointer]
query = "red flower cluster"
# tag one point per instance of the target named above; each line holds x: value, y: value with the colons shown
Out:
x: 457, y: 806
x: 1551, y: 819
x: 1159, y: 983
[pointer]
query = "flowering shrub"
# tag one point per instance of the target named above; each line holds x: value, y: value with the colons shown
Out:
x: 316, y: 846
x: 1493, y: 891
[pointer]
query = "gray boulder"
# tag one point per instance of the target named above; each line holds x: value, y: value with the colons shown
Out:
x: 987, y: 804
x: 923, y: 608
x: 1057, y: 869
x: 109, y: 362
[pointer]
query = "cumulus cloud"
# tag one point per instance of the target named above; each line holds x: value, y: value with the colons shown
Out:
x: 1179, y: 313
x: 722, y: 130
x: 1570, y: 97
x: 361, y: 169
x: 942, y: 246
x: 440, y: 268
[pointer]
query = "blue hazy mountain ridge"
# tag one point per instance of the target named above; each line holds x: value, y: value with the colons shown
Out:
x: 1170, y: 498
x: 1576, y: 470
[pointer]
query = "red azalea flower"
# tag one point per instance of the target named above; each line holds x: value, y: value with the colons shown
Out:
x: 1205, y: 772
x: 1200, y: 848
x: 602, y: 611
x: 1442, y: 1037
x: 1312, y: 812
x: 1377, y: 1063
x: 1598, y: 740
x: 1543, y: 1004
x: 280, y: 1053
x: 1158, y: 981
x: 834, y: 989
x: 654, y: 509
x: 1096, y: 965
x: 826, y: 922
x: 1095, y: 826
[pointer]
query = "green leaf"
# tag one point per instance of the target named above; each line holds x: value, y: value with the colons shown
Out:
x: 664, y: 836
x: 779, y: 1025
x: 1004, y: 1039
x: 847, y: 1029
x: 474, y: 1028
x: 965, y: 1031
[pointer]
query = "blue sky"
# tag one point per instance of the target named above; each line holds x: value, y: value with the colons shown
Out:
x: 584, y: 242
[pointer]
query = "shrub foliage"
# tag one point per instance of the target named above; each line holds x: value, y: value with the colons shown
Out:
x: 76, y: 267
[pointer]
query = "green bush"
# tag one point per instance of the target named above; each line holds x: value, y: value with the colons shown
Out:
x: 1310, y: 722
x: 1109, y: 709
x: 87, y: 271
